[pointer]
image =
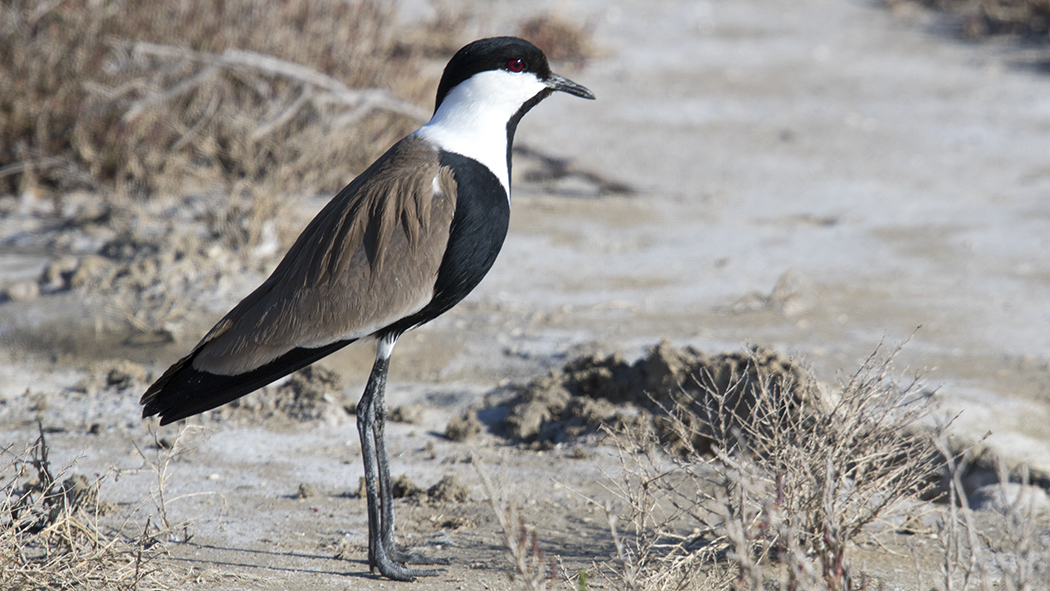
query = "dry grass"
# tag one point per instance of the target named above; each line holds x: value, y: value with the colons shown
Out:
x: 532, y: 569
x: 238, y: 96
x: 560, y: 38
x: 980, y: 18
x: 56, y: 532
x: 784, y: 493
x: 52, y: 536
x: 785, y: 482
x: 1009, y: 554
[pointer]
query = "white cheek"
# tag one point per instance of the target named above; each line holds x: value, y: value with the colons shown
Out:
x: 472, y: 120
x: 502, y: 91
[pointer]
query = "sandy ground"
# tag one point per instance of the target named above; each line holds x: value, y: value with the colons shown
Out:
x: 817, y: 176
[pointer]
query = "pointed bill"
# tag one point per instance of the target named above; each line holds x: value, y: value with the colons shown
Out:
x: 563, y: 84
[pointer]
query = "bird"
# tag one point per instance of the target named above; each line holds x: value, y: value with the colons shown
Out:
x: 402, y: 243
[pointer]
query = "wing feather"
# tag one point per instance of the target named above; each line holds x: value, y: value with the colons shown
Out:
x: 369, y: 258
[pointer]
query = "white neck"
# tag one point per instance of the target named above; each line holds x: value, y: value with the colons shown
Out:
x: 472, y: 119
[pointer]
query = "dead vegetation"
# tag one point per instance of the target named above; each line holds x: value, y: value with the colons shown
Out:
x: 756, y: 478
x: 1029, y: 19
x: 781, y: 496
x: 237, y: 96
x: 596, y: 390
x: 53, y: 534
x: 781, y: 493
x: 59, y: 531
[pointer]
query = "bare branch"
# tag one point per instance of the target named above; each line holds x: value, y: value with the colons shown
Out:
x: 333, y: 91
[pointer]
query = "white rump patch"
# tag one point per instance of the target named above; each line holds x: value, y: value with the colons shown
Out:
x: 472, y: 120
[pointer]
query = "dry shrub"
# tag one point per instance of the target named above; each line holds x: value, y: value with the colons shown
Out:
x: 234, y: 94
x: 533, y: 570
x: 1010, y: 554
x: 57, y: 533
x: 559, y: 38
x: 782, y: 494
x: 979, y: 18
x: 51, y: 536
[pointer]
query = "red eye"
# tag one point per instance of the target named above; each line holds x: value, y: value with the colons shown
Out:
x: 516, y: 65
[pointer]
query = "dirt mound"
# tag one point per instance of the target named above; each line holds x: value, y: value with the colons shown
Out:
x: 595, y: 390
x: 310, y: 394
x: 447, y: 490
x: 464, y: 427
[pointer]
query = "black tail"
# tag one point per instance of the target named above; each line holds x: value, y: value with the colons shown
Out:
x: 184, y: 391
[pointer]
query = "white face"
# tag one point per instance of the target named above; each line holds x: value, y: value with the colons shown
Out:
x: 472, y: 120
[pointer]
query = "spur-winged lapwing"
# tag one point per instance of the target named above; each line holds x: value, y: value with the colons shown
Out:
x: 401, y: 244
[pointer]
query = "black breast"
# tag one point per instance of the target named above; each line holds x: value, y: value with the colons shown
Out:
x: 479, y: 227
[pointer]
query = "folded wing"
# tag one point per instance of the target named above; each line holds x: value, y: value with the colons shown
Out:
x: 369, y: 258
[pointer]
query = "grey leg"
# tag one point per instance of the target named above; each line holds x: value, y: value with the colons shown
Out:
x: 387, y: 497
x: 371, y: 415
x: 365, y: 423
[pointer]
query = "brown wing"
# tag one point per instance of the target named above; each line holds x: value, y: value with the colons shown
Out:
x: 369, y: 258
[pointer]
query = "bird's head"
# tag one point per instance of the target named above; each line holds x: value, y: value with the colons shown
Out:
x: 501, y: 73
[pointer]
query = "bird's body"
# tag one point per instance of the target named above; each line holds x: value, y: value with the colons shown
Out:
x: 396, y: 248
x: 405, y: 241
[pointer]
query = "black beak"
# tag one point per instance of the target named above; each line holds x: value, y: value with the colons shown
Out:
x: 556, y: 82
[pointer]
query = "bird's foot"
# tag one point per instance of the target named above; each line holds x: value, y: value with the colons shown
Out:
x: 415, y: 557
x: 391, y: 564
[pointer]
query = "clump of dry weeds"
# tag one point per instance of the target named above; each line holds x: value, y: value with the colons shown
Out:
x: 1009, y: 553
x: 786, y: 484
x: 56, y: 532
x: 560, y: 38
x: 240, y: 95
x: 783, y: 492
x: 768, y: 480
x: 981, y: 18
x: 52, y: 537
